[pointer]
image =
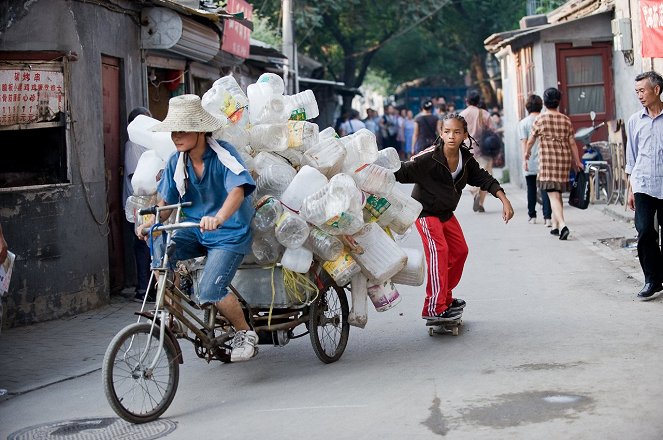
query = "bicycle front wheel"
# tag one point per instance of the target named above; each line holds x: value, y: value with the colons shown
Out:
x: 328, y: 324
x: 136, y: 392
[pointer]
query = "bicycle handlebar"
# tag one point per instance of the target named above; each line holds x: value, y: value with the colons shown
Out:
x: 155, y: 208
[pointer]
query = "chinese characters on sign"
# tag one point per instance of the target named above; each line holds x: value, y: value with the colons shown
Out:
x: 28, y: 96
x: 236, y: 37
x: 651, y: 21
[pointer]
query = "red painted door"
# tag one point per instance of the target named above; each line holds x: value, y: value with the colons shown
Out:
x: 113, y: 162
x: 585, y: 80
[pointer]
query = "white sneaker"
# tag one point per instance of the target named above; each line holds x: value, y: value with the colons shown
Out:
x: 532, y: 220
x: 244, y: 346
x: 547, y: 222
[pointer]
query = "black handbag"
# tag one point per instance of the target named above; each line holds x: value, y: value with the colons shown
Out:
x: 579, y: 196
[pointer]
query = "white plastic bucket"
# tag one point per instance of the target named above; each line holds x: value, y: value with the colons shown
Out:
x: 384, y: 296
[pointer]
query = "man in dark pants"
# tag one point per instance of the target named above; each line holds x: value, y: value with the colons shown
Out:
x: 644, y: 166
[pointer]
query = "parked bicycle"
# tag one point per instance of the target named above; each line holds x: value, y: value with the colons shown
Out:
x: 141, y: 366
x: 597, y: 168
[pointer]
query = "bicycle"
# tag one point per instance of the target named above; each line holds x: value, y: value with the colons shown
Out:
x: 140, y: 369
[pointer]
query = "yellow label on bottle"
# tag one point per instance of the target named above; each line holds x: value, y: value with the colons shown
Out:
x: 340, y: 265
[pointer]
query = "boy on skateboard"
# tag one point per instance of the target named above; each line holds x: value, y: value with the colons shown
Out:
x: 439, y: 174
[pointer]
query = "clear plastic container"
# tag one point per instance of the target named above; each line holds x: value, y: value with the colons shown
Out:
x: 268, y: 211
x: 291, y: 230
x: 134, y: 204
x: 291, y: 156
x: 140, y: 132
x: 274, y: 81
x: 388, y: 158
x: 408, y: 213
x: 297, y: 259
x: 358, y: 315
x: 303, y: 106
x: 374, y: 179
x: 324, y: 246
x: 377, y: 254
x: 336, y: 208
x: 236, y: 135
x: 266, y: 107
x: 269, y: 137
x: 342, y: 269
x: 414, y: 272
x: 302, y: 135
x: 307, y: 181
x: 266, y: 249
x: 327, y: 156
x: 273, y: 180
x: 227, y: 99
x: 265, y: 158
x: 384, y: 296
x: 328, y: 132
x: 144, y: 180
x: 360, y: 148
x: 379, y: 209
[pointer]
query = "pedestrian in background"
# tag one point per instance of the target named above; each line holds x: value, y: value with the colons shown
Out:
x: 408, y: 131
x: 478, y: 120
x: 557, y: 155
x: 425, y: 128
x: 644, y: 166
x: 439, y: 174
x: 141, y: 251
x: 352, y: 125
x: 533, y: 106
x: 389, y: 127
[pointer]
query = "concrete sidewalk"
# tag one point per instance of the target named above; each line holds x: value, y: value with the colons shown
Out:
x: 36, y: 356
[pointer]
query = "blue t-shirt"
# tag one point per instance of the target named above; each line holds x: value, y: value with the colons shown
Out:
x: 208, y: 195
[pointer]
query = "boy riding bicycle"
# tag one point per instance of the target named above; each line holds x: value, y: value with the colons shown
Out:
x: 212, y: 176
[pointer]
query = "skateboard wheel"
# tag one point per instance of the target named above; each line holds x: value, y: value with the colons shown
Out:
x: 431, y: 332
x: 454, y: 331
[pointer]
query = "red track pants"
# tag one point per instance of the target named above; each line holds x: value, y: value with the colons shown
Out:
x: 446, y: 252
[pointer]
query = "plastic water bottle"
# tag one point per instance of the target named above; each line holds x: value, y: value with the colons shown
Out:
x: 384, y: 296
x: 264, y: 158
x: 273, y: 180
x: 297, y: 259
x: 274, y: 81
x: 408, y: 214
x: 360, y: 148
x: 269, y: 137
x: 388, y: 158
x: 303, y: 106
x: 342, y: 269
x: 358, y: 315
x: 414, y: 272
x: 227, y: 99
x: 374, y: 179
x: 336, y: 208
x: 140, y: 132
x: 291, y: 230
x: 327, y: 156
x: 381, y: 210
x: 307, y: 181
x: 266, y: 249
x: 144, y: 180
x: 377, y: 254
x: 134, y: 204
x: 328, y: 132
x: 236, y: 135
x: 268, y: 211
x: 324, y: 246
x: 302, y: 135
x: 265, y: 106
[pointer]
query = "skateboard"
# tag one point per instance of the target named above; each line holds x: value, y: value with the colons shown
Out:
x: 436, y: 327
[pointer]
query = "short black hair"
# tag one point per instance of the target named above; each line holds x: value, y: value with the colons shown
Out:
x: 654, y: 79
x: 136, y: 112
x: 473, y: 97
x: 534, y: 104
x: 552, y: 97
x: 427, y: 105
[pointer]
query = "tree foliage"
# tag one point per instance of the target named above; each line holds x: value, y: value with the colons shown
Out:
x: 400, y: 39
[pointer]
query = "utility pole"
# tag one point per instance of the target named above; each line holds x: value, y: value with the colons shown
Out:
x: 289, y: 72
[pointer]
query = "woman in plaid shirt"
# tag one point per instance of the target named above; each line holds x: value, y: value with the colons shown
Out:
x: 557, y: 155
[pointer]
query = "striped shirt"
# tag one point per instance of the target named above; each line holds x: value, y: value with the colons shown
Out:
x: 644, y: 153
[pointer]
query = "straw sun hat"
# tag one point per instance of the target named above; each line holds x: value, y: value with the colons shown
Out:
x: 185, y: 113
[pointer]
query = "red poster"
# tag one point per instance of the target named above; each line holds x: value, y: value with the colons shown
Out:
x: 236, y: 37
x: 651, y: 21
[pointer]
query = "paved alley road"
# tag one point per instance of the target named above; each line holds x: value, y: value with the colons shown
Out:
x: 553, y: 346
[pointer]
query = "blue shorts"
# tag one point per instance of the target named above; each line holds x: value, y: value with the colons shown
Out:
x: 220, y: 266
